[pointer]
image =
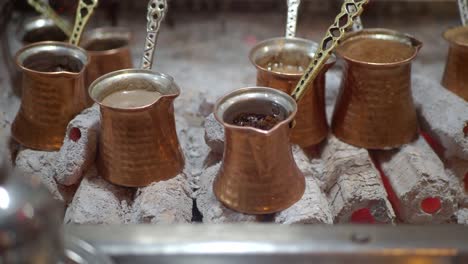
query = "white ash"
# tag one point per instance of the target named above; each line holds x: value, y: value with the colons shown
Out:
x: 416, y: 173
x: 39, y: 163
x: 164, y: 202
x: 75, y: 157
x: 442, y: 114
x: 99, y: 202
x: 313, y: 207
x: 214, y: 134
x: 462, y: 216
x: 352, y: 183
x: 209, y: 206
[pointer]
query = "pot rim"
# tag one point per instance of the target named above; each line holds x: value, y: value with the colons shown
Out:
x: 412, y: 41
x: 53, y: 43
x: 286, y: 121
x: 122, y: 32
x: 312, y: 45
x: 170, y: 95
x: 453, y: 30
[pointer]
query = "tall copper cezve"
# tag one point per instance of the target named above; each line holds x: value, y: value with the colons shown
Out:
x: 138, y: 146
x: 108, y: 49
x: 50, y: 99
x: 311, y: 122
x: 455, y: 76
x: 375, y: 107
x: 258, y: 174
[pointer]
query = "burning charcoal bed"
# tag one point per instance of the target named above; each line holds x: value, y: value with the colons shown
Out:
x: 423, y: 182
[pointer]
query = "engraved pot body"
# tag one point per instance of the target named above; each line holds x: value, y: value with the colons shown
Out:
x: 50, y: 98
x: 375, y: 108
x: 311, y: 122
x: 108, y: 49
x: 258, y: 174
x: 455, y: 78
x: 138, y: 146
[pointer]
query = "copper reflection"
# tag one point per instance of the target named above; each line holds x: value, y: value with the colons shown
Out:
x: 311, y: 122
x: 53, y: 93
x: 258, y: 174
x: 455, y: 77
x: 138, y: 146
x: 375, y: 107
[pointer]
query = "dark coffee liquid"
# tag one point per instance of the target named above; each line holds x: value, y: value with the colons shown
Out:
x: 50, y: 62
x: 260, y: 121
x: 105, y: 44
x: 43, y: 34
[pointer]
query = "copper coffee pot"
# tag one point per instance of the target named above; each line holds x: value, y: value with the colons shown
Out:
x: 53, y: 93
x: 455, y: 78
x: 311, y: 122
x: 258, y: 174
x: 137, y: 145
x: 138, y: 142
x: 108, y: 49
x: 53, y: 87
x: 375, y: 107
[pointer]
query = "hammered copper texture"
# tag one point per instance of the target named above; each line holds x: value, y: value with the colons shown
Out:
x: 311, y: 122
x: 139, y: 147
x: 258, y: 174
x: 375, y: 107
x: 455, y: 76
x: 105, y: 61
x: 49, y: 101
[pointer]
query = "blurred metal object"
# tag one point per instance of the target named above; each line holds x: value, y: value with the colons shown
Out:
x: 40, y: 29
x: 80, y: 252
x: 291, y: 21
x: 349, y: 11
x: 30, y: 219
x: 455, y: 77
x: 375, y: 107
x: 258, y: 174
x: 138, y: 145
x: 83, y: 13
x: 108, y: 49
x: 157, y: 10
x: 44, y: 9
x: 311, y: 122
x: 279, y: 244
x: 50, y: 98
x: 463, y: 8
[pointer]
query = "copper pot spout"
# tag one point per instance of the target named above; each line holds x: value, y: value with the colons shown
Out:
x: 258, y: 173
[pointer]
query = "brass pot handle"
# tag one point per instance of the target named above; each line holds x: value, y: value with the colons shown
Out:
x: 157, y: 10
x: 44, y: 9
x: 291, y: 20
x: 349, y: 11
x: 83, y: 13
x: 463, y: 7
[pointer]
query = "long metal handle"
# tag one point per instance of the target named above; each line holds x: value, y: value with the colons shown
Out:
x: 44, y: 9
x: 463, y: 7
x: 156, y: 12
x: 349, y: 11
x: 291, y: 21
x: 83, y: 13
